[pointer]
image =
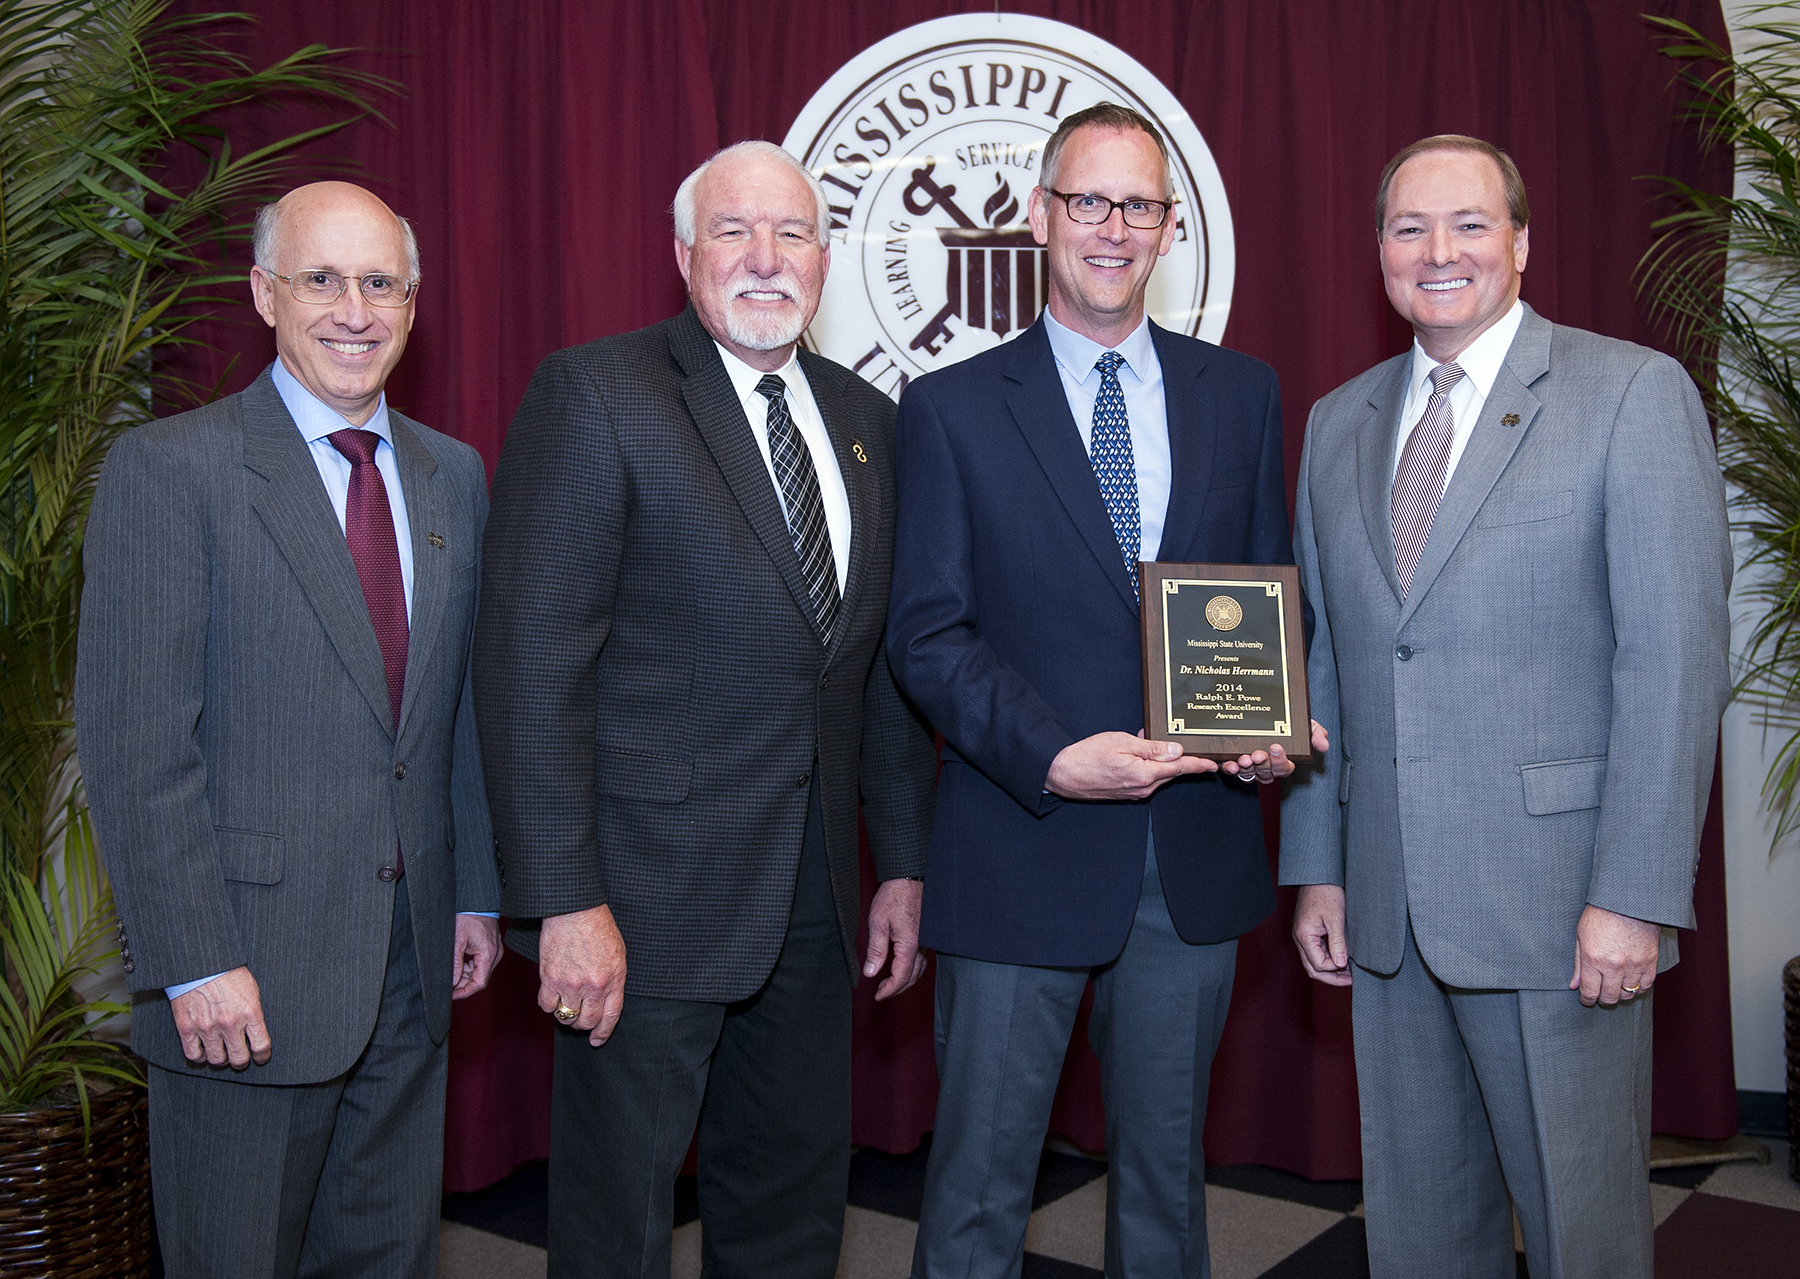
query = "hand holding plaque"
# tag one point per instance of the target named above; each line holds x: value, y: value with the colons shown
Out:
x: 1224, y: 659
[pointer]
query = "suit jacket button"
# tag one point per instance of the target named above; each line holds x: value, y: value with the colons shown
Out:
x: 129, y: 966
x: 387, y: 874
x: 802, y: 780
x: 1404, y: 653
x: 400, y: 771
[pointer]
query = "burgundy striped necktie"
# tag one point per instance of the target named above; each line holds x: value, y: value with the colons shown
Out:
x: 369, y: 528
x: 1419, y: 479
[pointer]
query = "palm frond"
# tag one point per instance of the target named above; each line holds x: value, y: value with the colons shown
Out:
x: 1741, y: 336
x: 105, y: 258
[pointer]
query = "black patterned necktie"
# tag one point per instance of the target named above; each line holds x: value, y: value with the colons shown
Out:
x: 805, y: 508
x: 1115, y: 465
x: 1419, y: 479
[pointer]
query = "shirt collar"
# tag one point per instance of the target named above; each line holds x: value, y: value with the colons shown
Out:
x: 1480, y: 361
x: 1077, y: 353
x: 744, y: 378
x: 317, y: 419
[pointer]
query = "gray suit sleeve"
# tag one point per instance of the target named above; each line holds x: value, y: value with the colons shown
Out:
x: 1668, y: 563
x: 1312, y: 831
x: 139, y: 693
x: 477, y: 882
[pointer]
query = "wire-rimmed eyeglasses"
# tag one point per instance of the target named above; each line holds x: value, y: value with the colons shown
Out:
x: 320, y: 287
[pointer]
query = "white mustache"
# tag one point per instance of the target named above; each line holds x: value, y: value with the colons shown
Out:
x: 782, y: 283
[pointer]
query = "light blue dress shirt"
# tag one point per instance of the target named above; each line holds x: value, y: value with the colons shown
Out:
x: 316, y: 420
x: 1141, y: 379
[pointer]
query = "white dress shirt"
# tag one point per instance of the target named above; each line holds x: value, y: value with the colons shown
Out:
x: 805, y: 414
x: 1480, y: 363
x: 1141, y: 379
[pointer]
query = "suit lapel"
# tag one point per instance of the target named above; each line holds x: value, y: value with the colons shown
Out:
x: 1491, y: 446
x: 1376, y: 435
x: 1040, y: 409
x: 294, y: 508
x: 719, y: 416
x: 1193, y: 436
x: 861, y: 484
x: 431, y: 569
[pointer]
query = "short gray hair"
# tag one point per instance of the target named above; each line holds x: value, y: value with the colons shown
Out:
x: 683, y: 208
x: 268, y: 226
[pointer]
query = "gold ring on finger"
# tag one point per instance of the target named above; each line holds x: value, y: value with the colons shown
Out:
x: 564, y: 1013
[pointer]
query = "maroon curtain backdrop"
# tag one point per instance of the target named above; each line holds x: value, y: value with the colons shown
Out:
x: 537, y: 146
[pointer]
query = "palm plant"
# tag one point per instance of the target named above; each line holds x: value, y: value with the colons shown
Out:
x: 48, y: 1043
x: 104, y: 260
x: 1742, y: 336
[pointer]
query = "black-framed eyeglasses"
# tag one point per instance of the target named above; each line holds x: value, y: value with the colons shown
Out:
x: 320, y: 287
x: 1091, y: 210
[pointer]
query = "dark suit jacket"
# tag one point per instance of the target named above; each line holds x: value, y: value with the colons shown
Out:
x: 1014, y: 628
x: 246, y: 781
x: 651, y: 688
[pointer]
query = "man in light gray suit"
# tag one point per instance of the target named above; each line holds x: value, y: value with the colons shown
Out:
x: 279, y: 747
x: 1513, y: 538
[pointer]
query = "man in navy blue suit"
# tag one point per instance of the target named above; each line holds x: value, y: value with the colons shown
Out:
x: 1032, y: 478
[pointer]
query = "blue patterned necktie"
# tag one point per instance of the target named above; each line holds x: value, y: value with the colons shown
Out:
x: 805, y: 508
x: 1114, y: 464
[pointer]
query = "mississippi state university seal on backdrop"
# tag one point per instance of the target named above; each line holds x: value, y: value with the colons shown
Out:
x: 928, y: 144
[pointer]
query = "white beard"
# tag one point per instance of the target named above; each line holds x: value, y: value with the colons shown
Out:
x: 757, y: 331
x: 765, y: 332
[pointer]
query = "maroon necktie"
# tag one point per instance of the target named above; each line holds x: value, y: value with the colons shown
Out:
x: 369, y: 528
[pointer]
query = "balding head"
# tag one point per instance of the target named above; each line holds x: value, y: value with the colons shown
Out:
x: 263, y: 245
x: 341, y: 349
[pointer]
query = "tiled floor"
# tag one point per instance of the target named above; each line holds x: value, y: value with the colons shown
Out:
x: 1740, y: 1221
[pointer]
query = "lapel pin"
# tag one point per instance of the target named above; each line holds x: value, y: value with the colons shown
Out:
x: 1511, y: 419
x: 435, y: 540
x: 857, y: 448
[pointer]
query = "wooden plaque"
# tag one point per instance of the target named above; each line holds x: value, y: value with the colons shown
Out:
x: 1224, y: 658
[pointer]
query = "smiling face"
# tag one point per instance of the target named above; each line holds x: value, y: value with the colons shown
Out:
x: 757, y: 264
x: 1450, y: 256
x: 344, y: 351
x: 1098, y: 274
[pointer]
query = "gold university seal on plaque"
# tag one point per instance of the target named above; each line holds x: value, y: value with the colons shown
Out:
x: 1224, y: 613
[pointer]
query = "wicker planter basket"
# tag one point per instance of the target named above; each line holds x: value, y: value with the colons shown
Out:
x: 69, y: 1215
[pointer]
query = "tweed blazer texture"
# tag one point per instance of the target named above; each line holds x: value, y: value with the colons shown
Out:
x: 246, y: 779
x: 1533, y: 728
x: 651, y: 688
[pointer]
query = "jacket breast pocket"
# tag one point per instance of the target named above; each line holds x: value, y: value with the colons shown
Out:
x: 249, y: 856
x: 1563, y: 785
x: 653, y: 777
x: 1526, y: 508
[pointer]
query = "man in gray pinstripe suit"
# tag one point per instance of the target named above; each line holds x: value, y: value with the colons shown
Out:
x: 1513, y: 538
x: 682, y: 695
x: 279, y: 747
